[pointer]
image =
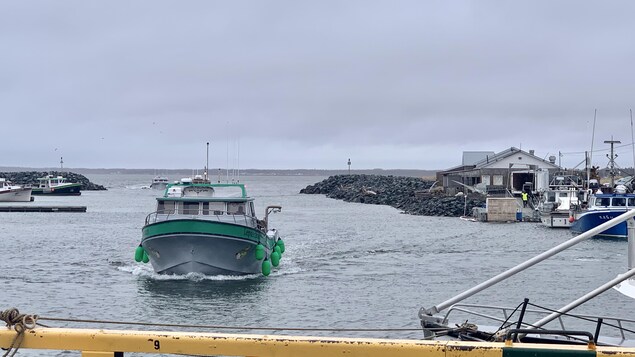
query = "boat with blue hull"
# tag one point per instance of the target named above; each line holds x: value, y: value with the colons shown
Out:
x: 602, y: 208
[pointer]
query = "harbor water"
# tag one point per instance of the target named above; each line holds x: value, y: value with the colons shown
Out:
x: 346, y: 265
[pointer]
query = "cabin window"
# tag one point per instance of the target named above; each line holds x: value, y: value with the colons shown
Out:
x: 217, y: 208
x: 604, y: 202
x: 236, y: 208
x: 188, y: 208
x: 498, y: 180
x: 631, y: 201
x: 205, y: 209
x: 252, y: 211
x: 619, y: 201
x: 165, y: 207
x: 485, y: 179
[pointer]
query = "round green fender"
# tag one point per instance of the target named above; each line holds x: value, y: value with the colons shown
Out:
x: 260, y: 251
x: 266, y: 267
x: 280, y: 244
x: 146, y: 258
x: 138, y: 254
x: 275, y: 259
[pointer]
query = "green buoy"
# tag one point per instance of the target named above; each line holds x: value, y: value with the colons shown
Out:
x: 266, y: 267
x: 280, y: 244
x: 138, y: 254
x: 275, y: 259
x: 260, y: 251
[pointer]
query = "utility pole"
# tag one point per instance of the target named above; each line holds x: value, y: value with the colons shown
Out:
x: 612, y: 159
x: 349, y: 166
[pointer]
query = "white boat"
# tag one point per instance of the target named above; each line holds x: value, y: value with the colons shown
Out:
x: 13, y: 193
x: 159, y: 182
x: 556, y: 205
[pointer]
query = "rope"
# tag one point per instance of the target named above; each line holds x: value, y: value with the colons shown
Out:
x: 223, y: 327
x: 20, y: 323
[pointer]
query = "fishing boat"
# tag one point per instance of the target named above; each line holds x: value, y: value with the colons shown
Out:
x: 602, y: 208
x: 555, y: 208
x: 13, y: 193
x: 56, y: 185
x: 211, y: 229
x: 159, y: 182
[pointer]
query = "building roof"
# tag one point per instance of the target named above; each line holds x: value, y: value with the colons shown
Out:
x: 509, y: 152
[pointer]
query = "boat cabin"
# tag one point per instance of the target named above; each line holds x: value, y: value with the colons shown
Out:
x: 612, y: 201
x: 205, y: 207
x: 51, y: 181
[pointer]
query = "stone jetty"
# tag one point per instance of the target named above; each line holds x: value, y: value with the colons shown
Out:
x: 30, y: 178
x: 410, y: 194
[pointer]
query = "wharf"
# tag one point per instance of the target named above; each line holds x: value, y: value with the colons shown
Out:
x: 42, y: 208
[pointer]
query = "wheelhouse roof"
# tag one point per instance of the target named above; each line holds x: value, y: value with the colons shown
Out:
x: 242, y: 198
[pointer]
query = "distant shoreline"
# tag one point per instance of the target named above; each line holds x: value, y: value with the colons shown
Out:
x: 246, y: 172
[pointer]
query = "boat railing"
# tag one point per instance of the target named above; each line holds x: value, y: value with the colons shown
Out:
x: 503, y: 316
x: 160, y: 216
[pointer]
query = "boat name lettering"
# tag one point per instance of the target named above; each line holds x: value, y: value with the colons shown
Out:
x: 157, y: 344
x: 604, y: 217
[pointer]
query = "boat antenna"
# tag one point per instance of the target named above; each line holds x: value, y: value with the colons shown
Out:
x: 207, y: 162
x: 588, y: 170
x: 632, y: 140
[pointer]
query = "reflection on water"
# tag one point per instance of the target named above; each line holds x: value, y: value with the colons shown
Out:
x: 200, y: 288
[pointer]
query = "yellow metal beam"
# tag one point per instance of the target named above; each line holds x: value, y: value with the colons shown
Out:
x: 210, y: 344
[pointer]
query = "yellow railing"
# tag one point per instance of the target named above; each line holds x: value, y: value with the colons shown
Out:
x: 114, y: 343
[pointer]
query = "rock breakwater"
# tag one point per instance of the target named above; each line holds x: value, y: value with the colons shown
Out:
x: 30, y: 178
x: 409, y: 194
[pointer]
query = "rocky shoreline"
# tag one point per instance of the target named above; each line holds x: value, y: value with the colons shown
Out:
x: 30, y: 178
x: 409, y: 194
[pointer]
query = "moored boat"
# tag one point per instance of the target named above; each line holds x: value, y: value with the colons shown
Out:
x: 56, y: 185
x: 13, y: 193
x: 556, y: 205
x: 602, y: 208
x: 211, y: 229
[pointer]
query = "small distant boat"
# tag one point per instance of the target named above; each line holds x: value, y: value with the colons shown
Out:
x: 211, y: 229
x: 602, y: 208
x: 56, y: 185
x: 13, y: 193
x: 159, y: 182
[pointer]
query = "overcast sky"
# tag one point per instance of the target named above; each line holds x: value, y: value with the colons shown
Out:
x: 298, y: 84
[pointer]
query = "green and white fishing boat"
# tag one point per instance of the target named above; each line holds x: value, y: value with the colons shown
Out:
x: 56, y: 185
x: 211, y: 229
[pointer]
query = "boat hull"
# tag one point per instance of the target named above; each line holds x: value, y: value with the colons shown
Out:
x: 204, y: 247
x: 15, y: 195
x: 556, y: 219
x: 158, y: 185
x: 66, y: 190
x: 591, y: 219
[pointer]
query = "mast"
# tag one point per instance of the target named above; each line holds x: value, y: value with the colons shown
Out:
x: 612, y: 159
x: 588, y: 171
x: 632, y: 140
x: 207, y: 162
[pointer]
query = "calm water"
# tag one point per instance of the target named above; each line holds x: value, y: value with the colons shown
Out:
x: 347, y: 265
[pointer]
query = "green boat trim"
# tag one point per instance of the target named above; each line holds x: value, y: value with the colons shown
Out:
x: 198, y: 226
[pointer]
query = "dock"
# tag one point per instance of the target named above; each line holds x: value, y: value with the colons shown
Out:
x: 42, y: 208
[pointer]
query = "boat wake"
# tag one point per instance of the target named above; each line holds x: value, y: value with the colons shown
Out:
x: 147, y: 272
